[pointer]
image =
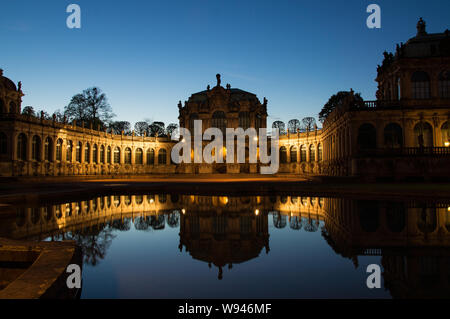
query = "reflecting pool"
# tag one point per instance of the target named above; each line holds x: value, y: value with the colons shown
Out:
x: 194, y: 246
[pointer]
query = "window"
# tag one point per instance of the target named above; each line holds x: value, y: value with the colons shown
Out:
x: 420, y: 85
x: 244, y: 120
x: 117, y: 155
x: 444, y: 84
x: 95, y: 154
x: 293, y: 154
x: 283, y: 155
x: 128, y: 155
x: 36, y: 148
x: 319, y: 153
x: 424, y: 134
x: 102, y: 154
x: 87, y: 153
x: 3, y: 143
x: 393, y: 136
x: 312, y: 153
x: 22, y: 147
x: 59, y: 143
x: 139, y: 156
x: 303, y: 153
x: 69, y: 151
x: 108, y: 155
x: 48, y: 149
x: 162, y: 157
x: 218, y: 121
x: 78, y: 152
x: 150, y: 156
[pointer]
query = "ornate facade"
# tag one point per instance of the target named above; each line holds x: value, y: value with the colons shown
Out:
x: 403, y: 134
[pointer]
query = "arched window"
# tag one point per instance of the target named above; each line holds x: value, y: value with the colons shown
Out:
x: 445, y: 133
x: 48, y: 147
x: 312, y: 153
x: 78, y: 152
x: 444, y: 84
x: 102, y: 154
x: 69, y: 151
x: 162, y: 157
x: 367, y: 137
x: 150, y: 156
x: 94, y: 154
x: 22, y: 147
x: 420, y: 82
x: 117, y: 155
x: 218, y: 121
x: 108, y: 155
x: 36, y: 148
x: 283, y: 155
x: 303, y: 153
x: 87, y: 153
x: 424, y: 134
x: 293, y: 152
x: 59, y: 143
x: 393, y: 136
x: 399, y: 89
x: 139, y: 156
x: 244, y: 120
x: 319, y: 153
x: 128, y: 155
x: 192, y: 118
x: 3, y: 143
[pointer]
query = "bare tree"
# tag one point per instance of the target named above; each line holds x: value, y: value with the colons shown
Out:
x: 293, y: 126
x: 140, y: 128
x: 118, y: 127
x: 309, y: 123
x: 157, y: 129
x: 171, y: 128
x: 281, y: 126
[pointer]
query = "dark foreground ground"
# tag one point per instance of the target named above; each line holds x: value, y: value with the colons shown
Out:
x: 38, y: 190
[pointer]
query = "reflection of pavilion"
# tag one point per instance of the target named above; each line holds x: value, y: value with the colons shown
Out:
x: 412, y: 238
x: 224, y: 237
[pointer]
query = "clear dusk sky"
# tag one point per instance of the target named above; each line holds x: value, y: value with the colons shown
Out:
x: 148, y: 55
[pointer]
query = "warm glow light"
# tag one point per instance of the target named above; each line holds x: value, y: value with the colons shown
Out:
x: 448, y: 208
x: 183, y: 140
x: 183, y: 211
x: 255, y: 138
x: 151, y: 201
x: 447, y: 144
x: 256, y: 212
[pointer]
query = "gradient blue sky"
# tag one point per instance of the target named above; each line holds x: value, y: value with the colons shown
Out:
x: 148, y: 55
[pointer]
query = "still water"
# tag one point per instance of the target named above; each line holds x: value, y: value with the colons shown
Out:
x: 193, y: 246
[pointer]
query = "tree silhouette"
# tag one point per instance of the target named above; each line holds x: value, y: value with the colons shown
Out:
x: 157, y: 129
x: 89, y: 106
x: 308, y: 123
x: 339, y: 99
x: 140, y: 128
x: 171, y: 128
x: 281, y: 126
x: 28, y: 110
x: 293, y: 126
x: 120, y: 126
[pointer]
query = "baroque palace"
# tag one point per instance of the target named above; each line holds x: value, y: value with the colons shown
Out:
x: 403, y: 134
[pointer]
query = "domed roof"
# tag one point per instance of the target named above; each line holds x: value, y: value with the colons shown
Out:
x: 7, y: 83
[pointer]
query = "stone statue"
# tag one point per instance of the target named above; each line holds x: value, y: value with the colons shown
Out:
x: 228, y: 86
x: 218, y: 79
x: 421, y: 27
x: 20, y: 86
x: 208, y: 87
x: 180, y: 106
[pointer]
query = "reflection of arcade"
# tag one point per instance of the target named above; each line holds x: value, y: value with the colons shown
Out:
x: 412, y: 238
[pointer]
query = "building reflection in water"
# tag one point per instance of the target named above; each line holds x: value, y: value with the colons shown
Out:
x: 413, y: 238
